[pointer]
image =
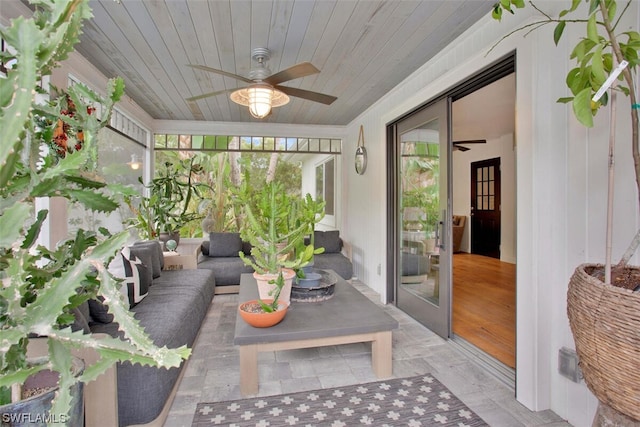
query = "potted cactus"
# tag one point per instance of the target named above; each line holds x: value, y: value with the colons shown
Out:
x: 266, y: 215
x: 41, y: 286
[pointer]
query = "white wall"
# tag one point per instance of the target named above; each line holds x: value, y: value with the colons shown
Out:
x: 560, y: 170
x: 503, y: 148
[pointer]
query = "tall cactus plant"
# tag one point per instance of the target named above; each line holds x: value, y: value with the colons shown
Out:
x: 266, y: 226
x: 41, y: 286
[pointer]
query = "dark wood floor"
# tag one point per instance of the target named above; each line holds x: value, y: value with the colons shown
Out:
x: 484, y: 304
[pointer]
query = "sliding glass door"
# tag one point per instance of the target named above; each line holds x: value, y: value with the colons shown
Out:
x: 422, y: 237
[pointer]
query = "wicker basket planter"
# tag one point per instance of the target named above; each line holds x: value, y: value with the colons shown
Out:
x: 605, y: 321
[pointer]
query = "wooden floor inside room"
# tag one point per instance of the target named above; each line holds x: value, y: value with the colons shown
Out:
x: 484, y: 304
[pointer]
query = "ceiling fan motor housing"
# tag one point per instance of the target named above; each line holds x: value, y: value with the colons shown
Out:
x: 261, y: 55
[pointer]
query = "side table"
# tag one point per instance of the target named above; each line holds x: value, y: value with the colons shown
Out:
x: 178, y: 261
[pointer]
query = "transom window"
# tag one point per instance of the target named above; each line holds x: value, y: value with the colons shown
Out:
x: 247, y: 143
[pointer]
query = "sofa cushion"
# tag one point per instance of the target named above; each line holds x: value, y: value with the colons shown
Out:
x: 336, y: 262
x: 329, y: 240
x: 414, y: 264
x: 137, y: 278
x: 152, y: 258
x: 99, y: 311
x: 224, y: 244
x: 171, y: 314
x: 227, y: 269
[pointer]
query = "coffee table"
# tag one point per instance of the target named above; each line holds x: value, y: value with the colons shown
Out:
x: 348, y: 317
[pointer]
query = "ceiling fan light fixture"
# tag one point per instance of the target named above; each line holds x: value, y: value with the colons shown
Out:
x: 135, y: 162
x: 260, y: 98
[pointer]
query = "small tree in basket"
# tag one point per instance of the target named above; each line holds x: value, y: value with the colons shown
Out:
x: 600, y: 54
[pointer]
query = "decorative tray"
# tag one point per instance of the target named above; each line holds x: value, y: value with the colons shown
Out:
x: 322, y: 291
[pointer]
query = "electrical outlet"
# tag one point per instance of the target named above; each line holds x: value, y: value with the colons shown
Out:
x: 568, y: 364
x: 379, y: 269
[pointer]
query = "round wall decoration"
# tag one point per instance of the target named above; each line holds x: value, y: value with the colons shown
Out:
x: 361, y: 154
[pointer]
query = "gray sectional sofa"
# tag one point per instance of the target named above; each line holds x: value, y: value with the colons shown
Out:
x: 220, y: 255
x: 171, y: 313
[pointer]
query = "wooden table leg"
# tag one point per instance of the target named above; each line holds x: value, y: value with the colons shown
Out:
x: 248, y: 370
x: 381, y: 355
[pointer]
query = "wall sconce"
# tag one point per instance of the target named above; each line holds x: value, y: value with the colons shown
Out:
x: 260, y: 98
x: 135, y: 163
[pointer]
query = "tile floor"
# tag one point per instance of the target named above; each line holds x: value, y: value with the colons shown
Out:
x: 212, y: 373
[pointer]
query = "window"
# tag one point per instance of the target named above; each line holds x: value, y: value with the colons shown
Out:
x: 325, y: 184
x: 168, y: 142
x: 115, y: 153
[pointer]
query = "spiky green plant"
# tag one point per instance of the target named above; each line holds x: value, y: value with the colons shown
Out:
x: 306, y: 211
x: 167, y: 209
x: 266, y: 218
x: 41, y: 286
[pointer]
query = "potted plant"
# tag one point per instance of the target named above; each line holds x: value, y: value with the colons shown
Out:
x: 308, y: 212
x: 265, y: 226
x: 166, y: 209
x: 41, y: 287
x: 601, y: 303
x: 261, y: 313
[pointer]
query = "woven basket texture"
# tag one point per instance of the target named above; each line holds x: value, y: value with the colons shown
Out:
x: 605, y: 322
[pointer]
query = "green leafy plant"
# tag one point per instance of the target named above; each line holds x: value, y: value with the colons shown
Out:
x: 169, y: 206
x: 597, y: 55
x: 265, y: 226
x: 309, y: 212
x: 40, y: 286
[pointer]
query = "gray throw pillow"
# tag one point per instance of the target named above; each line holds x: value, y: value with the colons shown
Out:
x: 100, y: 311
x: 81, y: 318
x: 246, y: 248
x: 145, y: 255
x: 204, y: 248
x: 136, y: 282
x: 157, y: 258
x: 329, y: 240
x: 224, y: 244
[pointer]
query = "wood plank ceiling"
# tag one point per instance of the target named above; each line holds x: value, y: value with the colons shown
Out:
x: 363, y: 49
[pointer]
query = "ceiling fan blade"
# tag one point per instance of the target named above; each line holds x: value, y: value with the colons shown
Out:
x: 461, y: 148
x: 207, y: 95
x: 224, y: 73
x: 471, y: 141
x: 302, y: 69
x: 307, y: 94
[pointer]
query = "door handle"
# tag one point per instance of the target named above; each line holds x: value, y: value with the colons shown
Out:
x: 440, y: 231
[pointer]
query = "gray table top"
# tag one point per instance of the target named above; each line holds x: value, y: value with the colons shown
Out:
x: 347, y: 313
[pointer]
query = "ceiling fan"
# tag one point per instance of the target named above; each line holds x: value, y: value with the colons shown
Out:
x: 457, y: 146
x: 264, y: 90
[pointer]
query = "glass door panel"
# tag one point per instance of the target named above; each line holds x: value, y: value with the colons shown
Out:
x: 423, y: 285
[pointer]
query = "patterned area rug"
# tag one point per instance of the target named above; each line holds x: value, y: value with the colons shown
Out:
x: 416, y: 401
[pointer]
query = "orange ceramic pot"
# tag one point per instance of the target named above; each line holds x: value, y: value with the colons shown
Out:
x: 261, y: 319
